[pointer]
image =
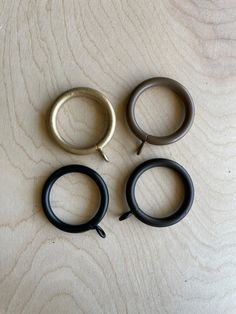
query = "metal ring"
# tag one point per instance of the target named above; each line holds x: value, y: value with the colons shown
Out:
x: 92, y: 94
x: 104, y: 200
x: 179, y: 214
x: 181, y: 91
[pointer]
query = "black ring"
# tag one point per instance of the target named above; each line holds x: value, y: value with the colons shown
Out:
x: 104, y: 200
x: 180, y: 213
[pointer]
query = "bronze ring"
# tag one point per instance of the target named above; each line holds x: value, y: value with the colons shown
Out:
x: 181, y: 211
x: 176, y: 87
x: 92, y: 94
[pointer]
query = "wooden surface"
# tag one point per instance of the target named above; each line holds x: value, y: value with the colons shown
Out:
x: 48, y: 47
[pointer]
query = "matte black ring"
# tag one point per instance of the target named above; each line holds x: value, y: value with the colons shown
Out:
x: 104, y: 200
x: 176, y: 87
x: 179, y: 214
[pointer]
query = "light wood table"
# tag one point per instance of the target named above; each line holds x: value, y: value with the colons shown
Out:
x: 48, y: 47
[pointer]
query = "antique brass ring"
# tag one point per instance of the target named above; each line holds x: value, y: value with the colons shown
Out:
x: 176, y: 87
x: 92, y: 94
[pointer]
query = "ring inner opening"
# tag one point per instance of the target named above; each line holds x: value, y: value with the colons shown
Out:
x: 75, y: 198
x: 159, y: 111
x: 159, y: 192
x: 82, y: 122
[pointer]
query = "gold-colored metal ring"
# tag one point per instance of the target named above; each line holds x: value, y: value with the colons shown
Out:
x: 92, y: 94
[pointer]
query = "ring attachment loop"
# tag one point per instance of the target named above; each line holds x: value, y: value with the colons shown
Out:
x: 92, y: 94
x: 176, y: 87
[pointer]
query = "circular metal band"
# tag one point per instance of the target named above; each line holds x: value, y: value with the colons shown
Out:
x: 176, y: 87
x: 104, y: 200
x: 179, y: 214
x: 92, y: 94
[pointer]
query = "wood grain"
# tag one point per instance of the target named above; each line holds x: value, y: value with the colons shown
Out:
x: 50, y: 46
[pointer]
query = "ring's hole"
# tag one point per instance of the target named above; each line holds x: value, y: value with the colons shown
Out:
x: 159, y: 192
x: 159, y: 111
x: 82, y: 121
x: 75, y: 198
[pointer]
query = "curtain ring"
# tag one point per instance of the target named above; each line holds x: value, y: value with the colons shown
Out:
x: 179, y: 214
x: 176, y: 87
x: 104, y: 200
x: 92, y: 94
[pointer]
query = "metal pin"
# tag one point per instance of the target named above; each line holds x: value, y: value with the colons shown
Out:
x: 125, y: 216
x: 103, y: 154
x: 141, y: 147
x: 100, y: 231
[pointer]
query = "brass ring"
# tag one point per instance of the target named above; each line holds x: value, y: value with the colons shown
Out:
x: 92, y: 94
x: 176, y: 87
